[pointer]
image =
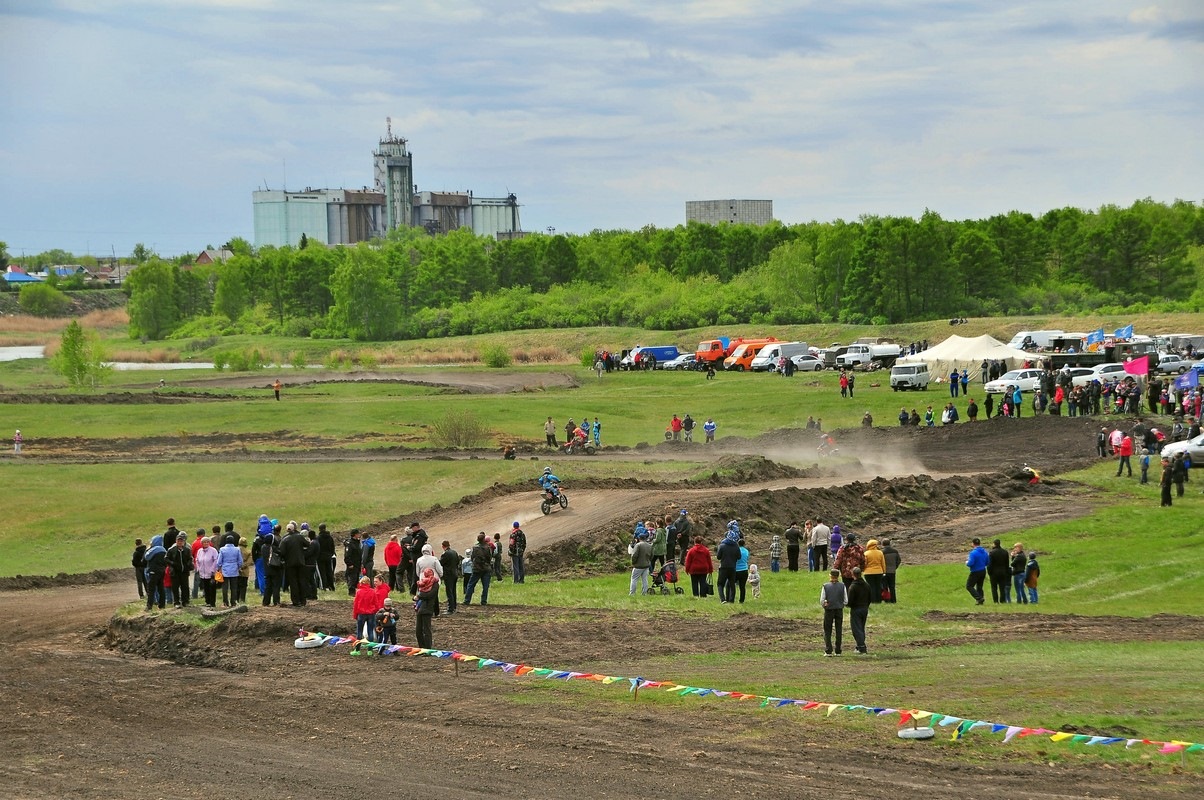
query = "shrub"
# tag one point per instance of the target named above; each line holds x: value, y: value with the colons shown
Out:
x: 495, y: 355
x: 460, y: 429
x: 41, y: 300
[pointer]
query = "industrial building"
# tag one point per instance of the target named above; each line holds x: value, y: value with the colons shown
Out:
x: 742, y: 212
x: 330, y: 216
x: 344, y: 216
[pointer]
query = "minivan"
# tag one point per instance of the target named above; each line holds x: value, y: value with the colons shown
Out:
x: 768, y: 358
x: 909, y: 376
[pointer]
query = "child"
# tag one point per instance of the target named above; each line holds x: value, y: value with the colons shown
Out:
x: 775, y: 556
x: 754, y: 581
x: 1031, y: 573
x: 834, y: 542
x: 386, y: 623
x: 426, y: 603
x: 1145, y: 465
x: 466, y: 566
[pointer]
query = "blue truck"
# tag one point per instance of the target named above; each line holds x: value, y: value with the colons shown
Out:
x: 649, y: 357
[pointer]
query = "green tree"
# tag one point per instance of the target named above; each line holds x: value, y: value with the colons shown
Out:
x: 141, y: 254
x: 80, y: 358
x: 3, y: 256
x: 152, y: 306
x: 231, y: 297
x: 366, y: 301
x: 43, y: 300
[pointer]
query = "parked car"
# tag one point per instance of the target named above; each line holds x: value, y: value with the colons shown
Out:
x: 1081, y: 376
x: 1173, y: 364
x: 684, y: 361
x: 1110, y: 371
x: 1193, y: 447
x: 913, y: 375
x: 808, y: 363
x: 1024, y: 379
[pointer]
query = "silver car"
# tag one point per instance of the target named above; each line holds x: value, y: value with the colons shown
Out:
x: 1026, y: 380
x: 1193, y: 447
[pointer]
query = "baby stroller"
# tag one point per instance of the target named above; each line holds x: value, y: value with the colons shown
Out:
x: 664, y: 577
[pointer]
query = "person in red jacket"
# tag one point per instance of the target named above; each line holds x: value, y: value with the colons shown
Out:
x: 698, y: 566
x: 382, y: 588
x: 393, y: 559
x: 1126, y: 453
x: 364, y: 609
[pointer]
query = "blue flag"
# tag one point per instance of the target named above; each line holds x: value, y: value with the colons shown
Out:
x: 1095, y: 337
x: 1124, y: 333
x: 1188, y: 380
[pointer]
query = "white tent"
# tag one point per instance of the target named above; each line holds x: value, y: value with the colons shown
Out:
x: 958, y: 352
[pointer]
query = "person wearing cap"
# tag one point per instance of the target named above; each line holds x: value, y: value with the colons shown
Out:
x: 482, y: 570
x: 850, y: 557
x: 386, y: 623
x: 292, y: 551
x: 155, y: 564
x: 273, y: 570
x: 206, y: 566
x: 450, y: 560
x: 728, y: 554
x: 833, y: 597
x: 641, y: 561
x: 859, y: 609
x: 516, y: 547
x: 466, y: 568
x: 179, y: 561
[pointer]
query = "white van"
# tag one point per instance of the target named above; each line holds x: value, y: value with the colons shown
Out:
x: 769, y: 356
x: 909, y: 376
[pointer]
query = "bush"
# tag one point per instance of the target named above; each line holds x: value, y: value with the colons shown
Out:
x: 41, y: 300
x: 495, y: 355
x: 460, y: 429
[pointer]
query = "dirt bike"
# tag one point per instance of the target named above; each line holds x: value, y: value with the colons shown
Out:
x: 579, y: 446
x: 827, y: 447
x: 550, y: 498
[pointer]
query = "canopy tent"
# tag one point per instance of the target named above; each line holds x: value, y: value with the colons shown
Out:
x: 958, y: 352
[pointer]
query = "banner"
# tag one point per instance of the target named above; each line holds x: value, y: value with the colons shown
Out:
x: 960, y: 725
x: 1138, y: 366
x: 1188, y: 380
x: 1124, y: 333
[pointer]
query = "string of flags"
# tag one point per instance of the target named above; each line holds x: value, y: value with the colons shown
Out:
x: 957, y: 726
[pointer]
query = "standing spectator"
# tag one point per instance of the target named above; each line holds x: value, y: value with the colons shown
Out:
x: 681, y: 529
x: 850, y: 557
x: 1178, y: 473
x: 393, y: 559
x: 139, y: 563
x: 698, y: 566
x: 954, y: 383
x: 326, y: 557
x: 687, y: 428
x: 775, y: 554
x: 852, y: 382
x: 834, y: 542
x: 180, y: 563
x: 1101, y: 442
x: 313, y: 577
x: 893, y: 560
x: 263, y: 531
x: 660, y: 542
x: 276, y: 387
x: 728, y: 554
x: 1017, y: 568
x: 292, y: 551
x: 273, y: 568
x: 17, y: 441
x: 793, y: 537
x: 428, y: 560
x: 708, y: 428
x: 244, y: 572
x: 450, y: 560
x: 1125, y: 452
x: 821, y: 536
x: 367, y: 554
x: 641, y: 561
x: 497, y: 557
x: 754, y: 573
x: 675, y: 427
x: 364, y: 609
x: 977, y: 562
x: 844, y: 384
x: 874, y: 571
x: 482, y: 570
x: 859, y: 594
x: 597, y: 433
x: 426, y: 603
x: 229, y: 562
x: 1017, y: 401
x: 465, y: 568
x: 972, y: 410
x: 904, y: 418
x: 999, y: 570
x: 549, y: 431
x: 742, y: 569
x: 833, y: 597
x: 965, y: 382
x: 1032, y: 572
x: 517, y: 548
x: 206, y: 567
x: 1144, y: 462
x: 352, y: 550
x: 155, y: 561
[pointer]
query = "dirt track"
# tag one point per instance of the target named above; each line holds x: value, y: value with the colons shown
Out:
x: 141, y: 707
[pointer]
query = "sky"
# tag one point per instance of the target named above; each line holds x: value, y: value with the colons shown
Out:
x: 152, y: 121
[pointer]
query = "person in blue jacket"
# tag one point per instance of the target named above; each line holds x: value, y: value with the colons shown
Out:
x: 548, y: 482
x: 977, y: 564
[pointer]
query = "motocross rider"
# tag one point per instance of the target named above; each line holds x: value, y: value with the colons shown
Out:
x: 549, y: 482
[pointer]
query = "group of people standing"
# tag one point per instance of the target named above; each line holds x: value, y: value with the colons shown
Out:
x: 1007, y: 571
x: 162, y: 570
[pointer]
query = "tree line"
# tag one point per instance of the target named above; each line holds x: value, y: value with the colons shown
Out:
x: 874, y: 270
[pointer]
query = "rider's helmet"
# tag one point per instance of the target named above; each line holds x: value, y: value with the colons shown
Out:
x: 547, y: 470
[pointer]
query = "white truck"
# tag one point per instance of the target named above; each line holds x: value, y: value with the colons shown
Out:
x: 770, y: 354
x: 862, y: 355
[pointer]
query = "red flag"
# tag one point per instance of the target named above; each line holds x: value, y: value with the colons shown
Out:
x: 1138, y: 366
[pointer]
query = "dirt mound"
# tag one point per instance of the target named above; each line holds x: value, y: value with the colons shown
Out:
x: 115, y: 398
x: 22, y: 582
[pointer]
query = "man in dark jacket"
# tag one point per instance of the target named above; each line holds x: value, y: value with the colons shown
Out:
x: 139, y: 567
x: 351, y: 560
x: 999, y: 570
x: 793, y: 536
x: 313, y: 578
x: 450, y: 561
x: 155, y: 560
x: 893, y: 560
x: 292, y: 552
x: 482, y: 570
x: 728, y: 554
x: 326, y: 557
x: 273, y: 568
x: 179, y: 561
x: 516, y: 547
x: 859, y: 609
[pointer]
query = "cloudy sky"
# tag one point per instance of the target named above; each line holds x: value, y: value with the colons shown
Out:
x: 125, y: 121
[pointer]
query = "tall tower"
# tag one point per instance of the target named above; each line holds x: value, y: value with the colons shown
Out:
x: 394, y: 175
